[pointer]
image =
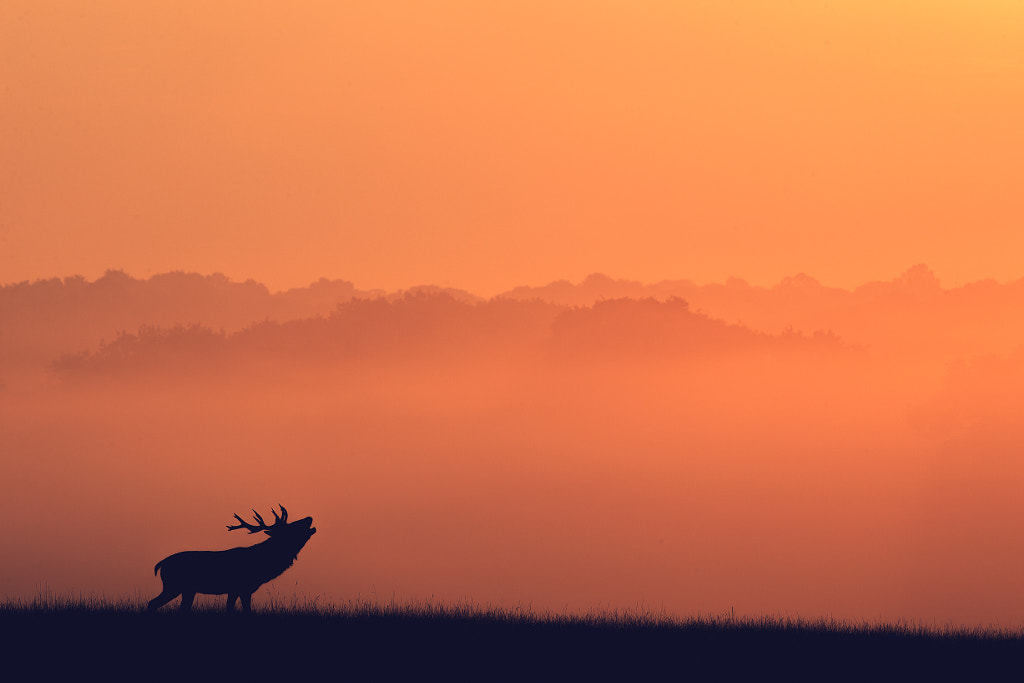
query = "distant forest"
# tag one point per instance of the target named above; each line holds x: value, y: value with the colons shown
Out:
x: 435, y: 326
x: 118, y: 323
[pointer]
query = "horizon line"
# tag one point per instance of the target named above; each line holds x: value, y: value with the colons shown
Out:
x: 921, y: 268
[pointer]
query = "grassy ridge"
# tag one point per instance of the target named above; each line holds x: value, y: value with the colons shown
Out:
x: 363, y: 641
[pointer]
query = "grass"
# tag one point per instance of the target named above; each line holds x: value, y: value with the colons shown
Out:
x: 49, y: 638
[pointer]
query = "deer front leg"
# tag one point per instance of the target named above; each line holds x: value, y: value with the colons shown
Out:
x: 231, y: 602
x: 186, y: 601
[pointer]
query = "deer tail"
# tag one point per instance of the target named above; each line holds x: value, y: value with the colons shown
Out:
x: 157, y: 567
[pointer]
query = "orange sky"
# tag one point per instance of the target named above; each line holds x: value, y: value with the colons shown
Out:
x: 488, y: 145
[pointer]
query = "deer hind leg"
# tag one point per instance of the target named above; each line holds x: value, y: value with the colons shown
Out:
x: 186, y: 600
x: 159, y: 601
x: 246, y: 602
x: 231, y: 602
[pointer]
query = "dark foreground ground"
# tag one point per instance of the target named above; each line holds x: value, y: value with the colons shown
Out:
x: 97, y: 641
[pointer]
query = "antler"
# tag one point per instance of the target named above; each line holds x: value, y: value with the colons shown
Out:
x: 242, y: 524
x: 283, y: 519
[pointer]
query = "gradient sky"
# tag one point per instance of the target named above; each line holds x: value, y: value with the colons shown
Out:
x: 491, y: 144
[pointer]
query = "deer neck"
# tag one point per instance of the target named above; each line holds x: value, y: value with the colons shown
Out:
x: 278, y: 551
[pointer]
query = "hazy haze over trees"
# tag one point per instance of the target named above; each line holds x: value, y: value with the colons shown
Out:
x: 797, y: 449
x: 117, y: 315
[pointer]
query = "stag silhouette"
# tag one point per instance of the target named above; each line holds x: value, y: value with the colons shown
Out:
x: 239, y: 572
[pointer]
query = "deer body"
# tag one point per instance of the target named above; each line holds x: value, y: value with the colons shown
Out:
x: 238, y: 572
